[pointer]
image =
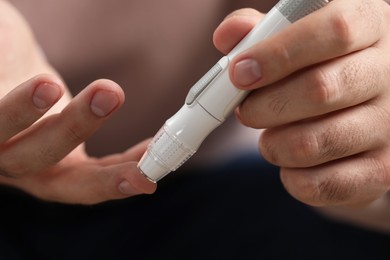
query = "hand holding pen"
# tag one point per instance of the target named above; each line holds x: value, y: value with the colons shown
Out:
x: 321, y: 89
x: 213, y: 98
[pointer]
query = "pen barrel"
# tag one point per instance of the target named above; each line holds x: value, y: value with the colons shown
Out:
x: 213, y: 98
x: 221, y: 97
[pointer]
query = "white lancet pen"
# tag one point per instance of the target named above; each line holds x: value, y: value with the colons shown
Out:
x: 213, y: 98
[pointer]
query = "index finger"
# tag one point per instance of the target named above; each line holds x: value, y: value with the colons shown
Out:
x: 234, y: 28
x: 340, y: 28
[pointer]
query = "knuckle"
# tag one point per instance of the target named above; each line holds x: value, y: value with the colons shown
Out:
x: 267, y: 149
x: 324, y: 87
x: 343, y: 32
x: 347, y: 185
x: 75, y: 133
x: 314, y: 191
x: 377, y: 170
x: 309, y: 147
x: 12, y: 169
x: 282, y: 52
x: 302, y: 147
x: 243, y: 12
x: 348, y: 23
x: 380, y: 168
x: 304, y: 189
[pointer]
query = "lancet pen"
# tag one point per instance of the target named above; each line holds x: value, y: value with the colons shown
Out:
x: 214, y: 97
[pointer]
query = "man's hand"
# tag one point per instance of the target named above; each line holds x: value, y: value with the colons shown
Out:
x: 321, y: 88
x: 41, y: 146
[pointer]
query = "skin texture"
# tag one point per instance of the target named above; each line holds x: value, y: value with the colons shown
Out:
x: 321, y: 96
x: 43, y: 137
x: 149, y: 58
x: 321, y: 91
x: 58, y: 168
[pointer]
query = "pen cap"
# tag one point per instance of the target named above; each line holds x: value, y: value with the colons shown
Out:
x: 165, y: 153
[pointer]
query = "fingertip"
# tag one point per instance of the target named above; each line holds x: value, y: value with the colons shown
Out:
x: 107, y: 97
x: 324, y: 186
x: 129, y: 189
x: 46, y: 94
x: 246, y: 73
x: 49, y: 80
x: 42, y: 91
x: 234, y: 28
x: 143, y: 184
x: 136, y: 183
x: 300, y: 186
x: 109, y: 85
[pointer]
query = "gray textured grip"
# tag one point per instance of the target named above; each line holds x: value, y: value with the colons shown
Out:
x: 294, y: 10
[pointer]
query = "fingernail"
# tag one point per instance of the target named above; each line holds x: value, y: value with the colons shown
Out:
x: 125, y: 188
x: 104, y: 102
x: 246, y: 72
x: 45, y: 95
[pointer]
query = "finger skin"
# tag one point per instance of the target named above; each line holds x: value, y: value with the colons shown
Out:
x: 234, y: 28
x: 333, y: 31
x: 98, y: 184
x: 314, y: 142
x: 323, y: 93
x: 340, y: 83
x: 51, y: 139
x: 18, y: 110
x: 353, y: 182
x: 81, y: 180
x: 84, y: 183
